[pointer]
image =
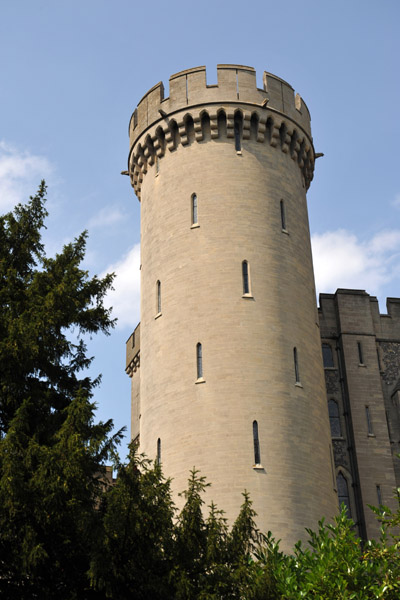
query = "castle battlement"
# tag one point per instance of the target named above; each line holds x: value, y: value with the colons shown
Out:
x: 195, y: 111
x: 370, y: 321
x: 236, y: 83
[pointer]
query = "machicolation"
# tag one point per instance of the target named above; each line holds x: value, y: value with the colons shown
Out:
x: 234, y: 110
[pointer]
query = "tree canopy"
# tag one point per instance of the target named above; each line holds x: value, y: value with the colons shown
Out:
x: 66, y: 530
x: 51, y: 451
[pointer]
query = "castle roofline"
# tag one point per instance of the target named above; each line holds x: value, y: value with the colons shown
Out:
x: 236, y: 83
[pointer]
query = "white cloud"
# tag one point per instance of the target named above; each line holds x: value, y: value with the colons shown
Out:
x: 107, y: 216
x: 341, y: 260
x: 125, y: 298
x: 20, y: 175
x: 385, y: 242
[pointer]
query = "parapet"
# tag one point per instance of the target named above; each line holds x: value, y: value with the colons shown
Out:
x: 356, y: 311
x: 195, y: 111
x: 236, y: 83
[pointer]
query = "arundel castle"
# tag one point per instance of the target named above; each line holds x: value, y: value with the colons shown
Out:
x: 234, y: 369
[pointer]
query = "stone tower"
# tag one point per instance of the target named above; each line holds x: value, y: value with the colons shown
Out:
x: 231, y: 378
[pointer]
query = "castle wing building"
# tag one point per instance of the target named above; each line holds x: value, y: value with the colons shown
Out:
x: 361, y: 355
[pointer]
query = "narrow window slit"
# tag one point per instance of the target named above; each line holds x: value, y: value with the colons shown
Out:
x: 296, y: 366
x: 256, y: 442
x: 158, y: 286
x: 237, y: 125
x: 199, y: 361
x: 245, y: 278
x: 158, y: 460
x: 360, y: 353
x: 283, y: 215
x: 194, y: 209
x: 369, y: 422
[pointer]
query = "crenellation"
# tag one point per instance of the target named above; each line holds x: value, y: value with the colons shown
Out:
x: 247, y: 86
x: 236, y: 83
x: 390, y: 323
x: 196, y: 85
x: 369, y: 320
x: 133, y: 121
x: 393, y: 307
x: 302, y: 107
x: 227, y: 83
x: 178, y: 92
x: 154, y: 102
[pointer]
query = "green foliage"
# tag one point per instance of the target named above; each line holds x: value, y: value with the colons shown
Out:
x: 51, y: 451
x: 190, y: 541
x: 41, y: 300
x: 335, y: 564
x: 132, y: 558
x: 211, y: 563
x: 48, y: 494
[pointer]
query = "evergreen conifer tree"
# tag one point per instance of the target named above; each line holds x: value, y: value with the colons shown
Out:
x: 51, y: 451
x: 133, y: 555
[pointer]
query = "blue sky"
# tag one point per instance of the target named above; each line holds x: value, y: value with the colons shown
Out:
x: 72, y: 73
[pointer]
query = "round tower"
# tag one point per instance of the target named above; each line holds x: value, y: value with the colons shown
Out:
x: 231, y: 377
